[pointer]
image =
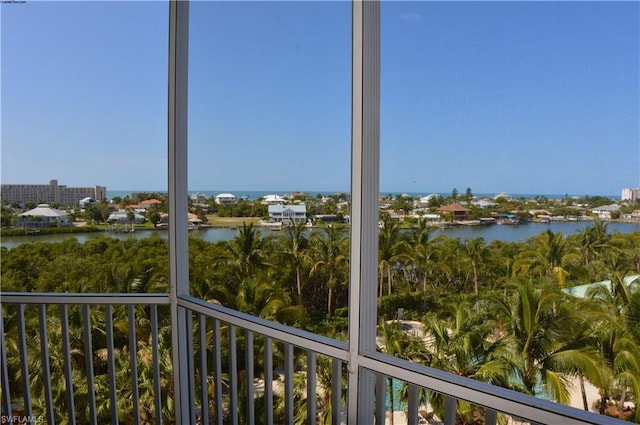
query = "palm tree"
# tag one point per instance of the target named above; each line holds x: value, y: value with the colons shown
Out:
x: 476, y: 251
x: 423, y: 253
x: 245, y: 251
x: 548, y: 257
x: 549, y: 340
x: 593, y: 240
x: 330, y: 254
x: 294, y: 245
x: 464, y: 341
x: 612, y: 312
x: 391, y: 250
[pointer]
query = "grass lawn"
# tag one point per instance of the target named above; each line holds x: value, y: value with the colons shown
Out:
x: 215, y: 221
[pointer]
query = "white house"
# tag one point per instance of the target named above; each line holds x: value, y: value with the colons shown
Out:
x: 226, y: 199
x: 43, y: 216
x: 199, y: 198
x: 272, y: 199
x: 288, y: 213
x: 483, y: 203
x: 121, y: 217
x: 87, y: 201
x: 604, y: 212
x: 424, y: 201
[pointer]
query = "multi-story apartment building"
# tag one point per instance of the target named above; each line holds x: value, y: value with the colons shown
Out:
x: 50, y: 193
x: 630, y: 194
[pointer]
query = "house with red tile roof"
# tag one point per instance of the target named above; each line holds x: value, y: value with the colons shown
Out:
x: 456, y: 211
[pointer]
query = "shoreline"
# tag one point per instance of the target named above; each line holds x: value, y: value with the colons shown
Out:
x: 235, y: 222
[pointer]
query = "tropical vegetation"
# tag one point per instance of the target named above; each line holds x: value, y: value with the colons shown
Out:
x: 494, y: 312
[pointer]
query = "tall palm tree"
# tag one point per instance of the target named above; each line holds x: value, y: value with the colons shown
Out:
x: 391, y: 250
x: 612, y: 314
x: 548, y: 257
x: 329, y: 253
x: 476, y: 251
x: 423, y: 254
x: 463, y: 340
x: 549, y: 340
x: 294, y: 245
x: 245, y: 251
x: 593, y: 240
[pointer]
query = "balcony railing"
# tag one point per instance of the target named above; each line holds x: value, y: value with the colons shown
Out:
x: 242, y: 369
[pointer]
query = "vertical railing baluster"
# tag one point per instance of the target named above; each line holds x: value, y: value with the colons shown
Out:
x: 6, y: 395
x: 112, y: 366
x: 311, y: 388
x: 191, y: 385
x: 251, y: 411
x: 44, y: 353
x: 204, y: 389
x: 66, y: 353
x: 336, y: 391
x: 217, y: 358
x: 450, y: 405
x: 233, y: 374
x: 156, y: 364
x: 288, y: 382
x: 24, y: 365
x: 412, y: 405
x: 133, y: 359
x: 88, y: 360
x: 490, y: 416
x: 268, y: 379
x: 381, y: 398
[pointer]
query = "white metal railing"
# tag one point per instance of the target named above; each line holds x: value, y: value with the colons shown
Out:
x: 221, y: 381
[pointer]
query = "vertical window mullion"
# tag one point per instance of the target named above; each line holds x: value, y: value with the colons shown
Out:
x: 365, y: 182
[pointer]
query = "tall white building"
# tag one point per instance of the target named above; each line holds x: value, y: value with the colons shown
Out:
x: 629, y: 194
x: 50, y: 193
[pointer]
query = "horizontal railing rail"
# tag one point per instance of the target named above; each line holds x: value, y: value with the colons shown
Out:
x: 68, y: 379
x: 234, y: 359
x: 82, y: 299
x: 302, y: 339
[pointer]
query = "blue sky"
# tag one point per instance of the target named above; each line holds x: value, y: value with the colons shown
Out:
x: 517, y: 97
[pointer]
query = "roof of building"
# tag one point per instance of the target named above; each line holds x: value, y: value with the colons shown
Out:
x: 299, y: 208
x: 582, y: 291
x: 124, y: 215
x: 612, y: 207
x: 225, y: 195
x: 429, y: 197
x: 453, y: 208
x: 44, y: 210
x: 272, y: 199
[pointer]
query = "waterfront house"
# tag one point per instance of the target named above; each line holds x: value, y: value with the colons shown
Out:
x: 288, y: 213
x: 43, y: 216
x: 456, y: 211
x: 122, y: 217
x: 604, y: 212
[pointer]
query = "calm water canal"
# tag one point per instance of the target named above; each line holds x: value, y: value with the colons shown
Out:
x: 492, y: 232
